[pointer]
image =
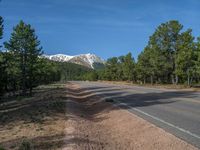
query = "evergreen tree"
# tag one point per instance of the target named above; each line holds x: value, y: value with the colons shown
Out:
x: 165, y: 40
x: 129, y: 67
x: 1, y: 28
x: 197, y: 62
x: 185, y: 57
x: 24, y: 45
x: 1, y: 59
x: 111, y: 70
x: 144, y: 66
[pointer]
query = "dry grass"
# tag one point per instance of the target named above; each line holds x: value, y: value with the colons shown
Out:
x: 39, y: 119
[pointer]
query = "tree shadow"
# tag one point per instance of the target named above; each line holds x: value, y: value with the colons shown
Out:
x: 57, y: 141
x: 36, y: 109
x: 87, y: 103
x: 93, y: 100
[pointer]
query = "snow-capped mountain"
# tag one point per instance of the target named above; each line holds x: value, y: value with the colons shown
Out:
x: 88, y: 60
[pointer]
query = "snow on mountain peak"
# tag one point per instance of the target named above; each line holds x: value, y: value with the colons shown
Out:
x: 59, y: 57
x: 82, y: 59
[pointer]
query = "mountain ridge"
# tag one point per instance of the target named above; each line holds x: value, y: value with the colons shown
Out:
x: 87, y: 60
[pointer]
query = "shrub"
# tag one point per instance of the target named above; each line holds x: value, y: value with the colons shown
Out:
x: 1, y: 148
x: 25, y: 145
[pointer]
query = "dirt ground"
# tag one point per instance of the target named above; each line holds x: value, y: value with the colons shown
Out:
x: 39, y: 120
x: 95, y: 124
x: 69, y: 118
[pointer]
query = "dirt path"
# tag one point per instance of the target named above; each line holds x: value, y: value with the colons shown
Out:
x: 95, y: 124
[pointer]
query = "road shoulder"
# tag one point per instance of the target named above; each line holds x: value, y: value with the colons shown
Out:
x: 99, y: 125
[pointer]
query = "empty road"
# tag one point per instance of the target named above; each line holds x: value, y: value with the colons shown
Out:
x: 176, y: 111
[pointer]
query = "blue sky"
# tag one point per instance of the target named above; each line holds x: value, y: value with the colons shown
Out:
x: 103, y: 27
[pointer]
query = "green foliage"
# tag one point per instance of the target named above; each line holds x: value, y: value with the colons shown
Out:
x: 171, y: 56
x: 24, y: 46
x: 1, y: 148
x: 111, y: 69
x: 71, y: 71
x: 1, y: 27
x: 170, y: 53
x: 98, y: 66
x: 128, y: 67
x: 2, y: 68
x: 25, y: 145
x: 163, y: 46
x: 91, y: 76
x: 21, y: 66
x: 185, y: 57
x: 46, y: 72
x: 117, y: 68
x: 143, y: 66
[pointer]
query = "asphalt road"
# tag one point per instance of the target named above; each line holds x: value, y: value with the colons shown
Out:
x: 176, y: 111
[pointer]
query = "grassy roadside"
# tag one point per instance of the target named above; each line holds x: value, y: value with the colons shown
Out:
x: 36, y: 121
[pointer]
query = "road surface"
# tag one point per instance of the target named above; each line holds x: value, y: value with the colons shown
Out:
x: 176, y: 111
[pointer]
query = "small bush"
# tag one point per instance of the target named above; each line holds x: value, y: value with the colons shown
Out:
x: 3, y: 118
x: 26, y: 145
x: 1, y: 148
x: 109, y: 100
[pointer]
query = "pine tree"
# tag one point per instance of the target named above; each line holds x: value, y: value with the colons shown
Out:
x: 111, y: 69
x: 197, y: 60
x: 185, y: 57
x: 129, y: 67
x: 2, y: 69
x: 144, y: 66
x: 1, y: 28
x: 24, y: 45
x: 165, y: 41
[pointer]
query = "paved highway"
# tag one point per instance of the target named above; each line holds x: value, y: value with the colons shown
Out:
x: 176, y: 111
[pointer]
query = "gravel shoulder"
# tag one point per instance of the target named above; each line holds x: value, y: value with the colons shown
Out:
x: 95, y: 124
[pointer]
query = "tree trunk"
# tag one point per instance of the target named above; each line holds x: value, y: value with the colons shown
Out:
x: 23, y: 82
x: 188, y: 80
x: 191, y: 80
x: 30, y: 90
x: 14, y: 86
x: 173, y: 79
x: 23, y: 75
x: 144, y: 80
x: 151, y: 80
x: 177, y: 79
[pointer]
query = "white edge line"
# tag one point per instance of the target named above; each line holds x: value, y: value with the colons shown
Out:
x: 160, y: 120
x: 156, y: 118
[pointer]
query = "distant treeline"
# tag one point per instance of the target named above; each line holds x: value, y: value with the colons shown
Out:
x: 71, y: 71
x: 172, y: 56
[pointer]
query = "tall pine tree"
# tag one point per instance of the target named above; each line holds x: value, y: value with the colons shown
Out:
x: 1, y: 59
x: 129, y: 67
x: 1, y: 28
x: 185, y: 57
x: 24, y: 45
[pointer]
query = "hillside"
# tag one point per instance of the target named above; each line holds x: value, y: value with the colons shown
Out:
x: 71, y: 71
